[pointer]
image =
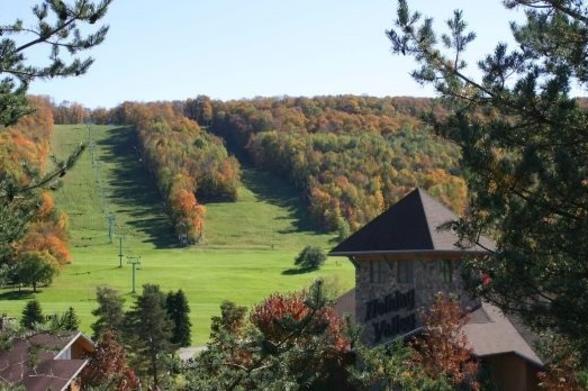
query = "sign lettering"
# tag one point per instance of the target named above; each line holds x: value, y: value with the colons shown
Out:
x: 394, y: 326
x: 390, y: 303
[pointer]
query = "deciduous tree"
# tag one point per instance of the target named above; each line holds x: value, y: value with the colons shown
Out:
x: 311, y: 257
x: 442, y: 350
x: 34, y: 268
x: 290, y: 341
x: 108, y: 366
x: 58, y: 25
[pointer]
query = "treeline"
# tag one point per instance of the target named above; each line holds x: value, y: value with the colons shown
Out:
x: 43, y: 245
x: 187, y: 162
x: 237, y: 120
x: 349, y: 156
x: 70, y: 113
x: 66, y: 113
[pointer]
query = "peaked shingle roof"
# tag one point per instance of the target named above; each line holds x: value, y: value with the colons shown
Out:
x: 409, y: 226
x: 34, y: 362
x: 497, y: 334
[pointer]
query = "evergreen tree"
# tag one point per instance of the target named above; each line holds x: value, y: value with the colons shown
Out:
x: 32, y: 315
x: 69, y: 320
x: 53, y: 322
x: 524, y: 146
x: 148, y: 331
x: 109, y: 314
x: 178, y: 310
x: 57, y: 27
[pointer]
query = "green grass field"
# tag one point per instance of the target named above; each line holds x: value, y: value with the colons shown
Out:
x: 247, y: 254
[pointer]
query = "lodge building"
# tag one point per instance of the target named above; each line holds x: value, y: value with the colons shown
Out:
x: 402, y: 259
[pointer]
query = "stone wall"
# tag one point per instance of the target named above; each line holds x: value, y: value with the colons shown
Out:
x: 390, y: 293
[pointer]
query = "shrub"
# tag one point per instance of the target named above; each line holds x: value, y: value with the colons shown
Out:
x: 310, y: 257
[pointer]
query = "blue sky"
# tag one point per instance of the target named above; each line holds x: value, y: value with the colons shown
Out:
x: 231, y: 49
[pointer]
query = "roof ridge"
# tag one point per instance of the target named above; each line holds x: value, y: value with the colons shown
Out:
x: 409, y: 225
x: 420, y: 192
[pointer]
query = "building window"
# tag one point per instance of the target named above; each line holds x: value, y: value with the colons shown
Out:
x: 377, y: 272
x: 381, y: 274
x: 447, y: 267
x: 405, y: 272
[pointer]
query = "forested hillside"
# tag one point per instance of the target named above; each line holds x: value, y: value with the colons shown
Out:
x: 350, y: 179
x: 186, y: 161
x: 349, y: 156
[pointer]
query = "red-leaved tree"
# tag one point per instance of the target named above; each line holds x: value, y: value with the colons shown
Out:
x: 108, y: 366
x: 443, y: 349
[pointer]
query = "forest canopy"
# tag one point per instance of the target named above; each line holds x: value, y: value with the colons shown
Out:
x: 350, y: 157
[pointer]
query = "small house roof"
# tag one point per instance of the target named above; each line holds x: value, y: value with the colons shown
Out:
x: 54, y: 375
x: 411, y: 226
x: 36, y: 361
x: 490, y: 332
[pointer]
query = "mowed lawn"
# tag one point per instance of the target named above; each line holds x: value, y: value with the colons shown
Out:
x: 247, y: 253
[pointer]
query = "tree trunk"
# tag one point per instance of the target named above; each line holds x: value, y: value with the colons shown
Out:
x: 154, y: 369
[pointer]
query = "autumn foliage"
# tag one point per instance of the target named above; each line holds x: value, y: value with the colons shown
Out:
x: 270, y: 318
x: 349, y: 156
x: 70, y: 113
x: 563, y: 371
x: 108, y: 366
x: 24, y: 151
x: 561, y: 377
x: 287, y: 340
x: 350, y: 179
x: 443, y: 350
x: 24, y: 147
x: 48, y: 235
x: 186, y: 161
